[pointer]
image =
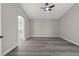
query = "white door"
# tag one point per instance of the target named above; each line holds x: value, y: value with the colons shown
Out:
x: 0, y: 30
x: 21, y: 29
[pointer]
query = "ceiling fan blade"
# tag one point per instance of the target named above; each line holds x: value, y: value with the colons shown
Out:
x: 50, y: 9
x: 47, y: 4
x: 52, y: 6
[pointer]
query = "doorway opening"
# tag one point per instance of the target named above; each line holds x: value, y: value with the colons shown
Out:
x: 21, y: 30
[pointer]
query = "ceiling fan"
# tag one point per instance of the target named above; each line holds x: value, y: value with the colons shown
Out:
x: 48, y: 7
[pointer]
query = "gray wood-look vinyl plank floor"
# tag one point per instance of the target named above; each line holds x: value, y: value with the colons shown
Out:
x: 45, y: 46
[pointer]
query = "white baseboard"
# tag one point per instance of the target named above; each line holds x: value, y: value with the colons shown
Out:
x: 27, y: 38
x: 70, y: 41
x: 43, y: 36
x: 9, y: 50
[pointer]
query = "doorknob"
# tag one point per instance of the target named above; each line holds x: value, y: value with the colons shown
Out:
x: 1, y: 36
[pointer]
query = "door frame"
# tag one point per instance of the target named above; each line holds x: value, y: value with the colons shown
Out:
x: 21, y: 17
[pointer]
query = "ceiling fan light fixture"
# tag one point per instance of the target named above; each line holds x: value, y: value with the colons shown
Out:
x: 47, y: 8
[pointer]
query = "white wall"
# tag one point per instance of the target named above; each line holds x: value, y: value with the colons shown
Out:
x: 0, y: 21
x: 44, y: 28
x: 69, y: 25
x: 9, y: 27
x: 10, y: 13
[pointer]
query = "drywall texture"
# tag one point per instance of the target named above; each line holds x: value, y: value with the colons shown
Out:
x: 10, y: 13
x: 44, y: 28
x: 69, y: 25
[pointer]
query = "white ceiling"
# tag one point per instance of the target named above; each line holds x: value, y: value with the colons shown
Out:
x: 34, y: 11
